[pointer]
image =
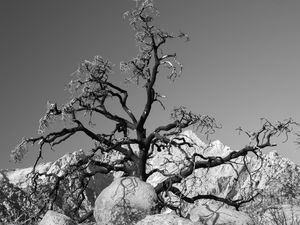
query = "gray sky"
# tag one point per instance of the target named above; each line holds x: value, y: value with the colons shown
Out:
x: 241, y: 64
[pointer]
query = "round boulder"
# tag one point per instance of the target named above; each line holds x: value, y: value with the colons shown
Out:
x: 125, y: 201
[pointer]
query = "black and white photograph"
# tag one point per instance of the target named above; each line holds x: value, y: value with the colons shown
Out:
x: 135, y: 112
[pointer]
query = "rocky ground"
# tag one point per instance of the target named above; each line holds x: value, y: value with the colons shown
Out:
x: 275, y: 179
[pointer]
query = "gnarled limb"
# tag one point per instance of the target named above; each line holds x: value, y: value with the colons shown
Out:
x: 262, y: 139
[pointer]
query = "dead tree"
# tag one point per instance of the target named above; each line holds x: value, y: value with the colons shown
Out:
x: 128, y: 146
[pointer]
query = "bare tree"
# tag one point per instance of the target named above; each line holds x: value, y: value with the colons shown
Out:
x: 92, y: 92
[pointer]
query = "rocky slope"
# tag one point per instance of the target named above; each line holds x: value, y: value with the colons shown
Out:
x: 275, y: 178
x: 18, y: 204
x: 269, y: 172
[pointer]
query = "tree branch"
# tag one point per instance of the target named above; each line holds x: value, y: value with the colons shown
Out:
x: 235, y: 203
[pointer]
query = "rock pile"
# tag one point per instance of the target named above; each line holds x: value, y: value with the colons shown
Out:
x: 128, y: 200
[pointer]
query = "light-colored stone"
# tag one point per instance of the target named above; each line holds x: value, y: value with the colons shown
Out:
x: 282, y: 214
x: 276, y: 179
x: 16, y: 183
x: 126, y: 201
x: 55, y: 218
x: 212, y: 214
x: 166, y: 219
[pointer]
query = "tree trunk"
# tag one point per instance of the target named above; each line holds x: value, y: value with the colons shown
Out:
x: 139, y: 167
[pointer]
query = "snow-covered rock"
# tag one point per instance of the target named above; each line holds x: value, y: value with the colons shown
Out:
x: 126, y: 201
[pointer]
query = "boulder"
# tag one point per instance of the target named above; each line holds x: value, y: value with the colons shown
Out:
x: 212, y: 214
x: 125, y: 201
x: 55, y: 218
x: 166, y: 219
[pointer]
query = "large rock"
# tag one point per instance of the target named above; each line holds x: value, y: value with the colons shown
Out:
x: 212, y: 214
x: 126, y: 201
x: 166, y: 219
x: 55, y: 218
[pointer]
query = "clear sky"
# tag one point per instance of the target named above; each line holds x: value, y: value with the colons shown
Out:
x: 241, y: 64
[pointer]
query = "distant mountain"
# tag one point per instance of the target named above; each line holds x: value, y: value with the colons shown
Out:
x: 16, y: 186
x: 274, y: 178
x: 270, y: 172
